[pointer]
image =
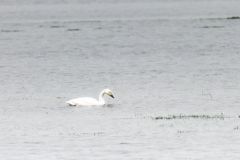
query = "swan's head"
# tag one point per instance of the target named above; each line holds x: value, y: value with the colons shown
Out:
x: 108, y: 92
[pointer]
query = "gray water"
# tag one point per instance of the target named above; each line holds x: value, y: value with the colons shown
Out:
x: 160, y: 58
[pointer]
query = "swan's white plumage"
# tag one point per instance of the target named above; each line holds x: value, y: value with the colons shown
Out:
x: 84, y: 101
x: 88, y: 101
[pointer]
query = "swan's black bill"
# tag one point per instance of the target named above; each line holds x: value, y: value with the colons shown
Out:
x: 112, y: 96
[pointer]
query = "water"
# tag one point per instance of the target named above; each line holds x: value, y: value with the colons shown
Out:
x: 160, y: 58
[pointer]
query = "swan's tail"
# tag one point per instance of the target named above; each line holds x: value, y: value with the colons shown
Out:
x: 70, y: 103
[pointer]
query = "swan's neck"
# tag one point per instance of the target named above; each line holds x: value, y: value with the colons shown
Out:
x: 101, y: 100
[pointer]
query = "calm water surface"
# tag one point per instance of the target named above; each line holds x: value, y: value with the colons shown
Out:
x: 160, y: 58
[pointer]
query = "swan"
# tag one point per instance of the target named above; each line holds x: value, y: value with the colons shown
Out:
x: 88, y: 101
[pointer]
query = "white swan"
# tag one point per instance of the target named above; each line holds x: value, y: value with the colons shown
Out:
x: 88, y: 101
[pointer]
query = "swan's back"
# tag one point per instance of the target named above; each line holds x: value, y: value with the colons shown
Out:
x: 83, y: 101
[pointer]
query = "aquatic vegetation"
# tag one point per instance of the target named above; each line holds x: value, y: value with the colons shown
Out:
x: 233, y: 17
x: 73, y: 29
x: 212, y: 27
x: 9, y: 30
x: 193, y: 116
x: 222, y: 18
x: 236, y: 128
